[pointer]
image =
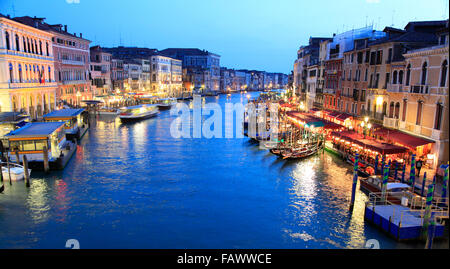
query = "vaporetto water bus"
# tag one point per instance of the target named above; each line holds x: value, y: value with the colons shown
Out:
x: 138, y: 112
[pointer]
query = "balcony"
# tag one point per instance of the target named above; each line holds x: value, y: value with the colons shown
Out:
x: 395, y: 87
x: 73, y: 82
x: 419, y: 88
x: 391, y: 122
x: 436, y: 134
x: 70, y: 62
x: 373, y: 115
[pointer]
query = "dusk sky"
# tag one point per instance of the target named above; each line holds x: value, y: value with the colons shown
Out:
x: 251, y: 34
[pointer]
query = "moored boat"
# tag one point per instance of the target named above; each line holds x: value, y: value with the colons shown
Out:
x: 107, y: 111
x: 138, y: 112
x: 304, y: 151
x: 16, y: 171
x: 166, y: 103
x: 395, y: 190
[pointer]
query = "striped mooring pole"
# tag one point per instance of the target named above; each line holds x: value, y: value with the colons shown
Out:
x: 395, y: 170
x: 403, y: 173
x: 412, y: 173
x: 427, y: 215
x: 376, y: 164
x: 423, y: 183
x: 444, y: 185
x: 383, y: 161
x: 385, y: 181
x: 389, y: 172
x: 355, y: 180
x: 434, y: 184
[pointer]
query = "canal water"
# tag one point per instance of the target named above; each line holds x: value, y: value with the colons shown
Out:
x: 135, y: 186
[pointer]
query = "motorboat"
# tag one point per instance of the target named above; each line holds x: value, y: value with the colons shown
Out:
x: 107, y: 111
x: 395, y: 189
x: 138, y: 112
x: 166, y: 103
x: 16, y: 171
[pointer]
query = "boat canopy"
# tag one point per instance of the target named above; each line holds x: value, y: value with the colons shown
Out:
x: 35, y: 129
x: 63, y: 113
x: 395, y: 185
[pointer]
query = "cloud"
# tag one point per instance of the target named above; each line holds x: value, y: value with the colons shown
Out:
x: 373, y: 1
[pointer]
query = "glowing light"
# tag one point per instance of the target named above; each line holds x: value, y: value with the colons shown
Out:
x: 379, y: 100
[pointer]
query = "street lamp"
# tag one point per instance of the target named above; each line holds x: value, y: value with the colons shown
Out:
x: 78, y: 98
x: 366, y: 127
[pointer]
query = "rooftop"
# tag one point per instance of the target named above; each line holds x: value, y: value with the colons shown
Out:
x: 64, y: 113
x: 39, y: 23
x: 35, y: 129
x: 12, y: 116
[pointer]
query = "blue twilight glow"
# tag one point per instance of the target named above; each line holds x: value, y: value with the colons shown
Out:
x: 252, y: 34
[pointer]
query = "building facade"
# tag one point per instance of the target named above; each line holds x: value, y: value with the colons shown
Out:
x: 201, y: 68
x: 71, y: 57
x: 27, y: 77
x: 100, y: 71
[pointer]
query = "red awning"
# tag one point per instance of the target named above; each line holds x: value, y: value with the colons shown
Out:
x: 404, y: 139
x: 343, y: 116
x: 382, y: 148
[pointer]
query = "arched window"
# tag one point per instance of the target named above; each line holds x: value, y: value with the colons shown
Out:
x: 40, y: 48
x: 400, y: 77
x: 8, y: 45
x: 397, y: 110
x: 391, y: 110
x: 444, y: 73
x: 29, y: 45
x: 408, y: 74
x: 438, y: 117
x: 405, y: 104
x: 24, y: 41
x: 20, y: 73
x: 384, y: 111
x: 394, y: 77
x: 419, y: 112
x: 424, y: 73
x: 46, y: 47
x: 49, y: 73
x: 17, y: 43
x: 11, y: 73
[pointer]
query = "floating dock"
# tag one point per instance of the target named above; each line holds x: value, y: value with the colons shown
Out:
x: 399, y: 221
x: 405, y: 220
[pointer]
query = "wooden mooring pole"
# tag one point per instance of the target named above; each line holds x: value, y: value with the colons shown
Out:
x: 17, y: 156
x: 355, y: 181
x: 25, y: 170
x: 46, y: 165
x: 9, y: 169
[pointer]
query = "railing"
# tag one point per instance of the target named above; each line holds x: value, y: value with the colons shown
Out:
x: 374, y: 115
x: 391, y: 122
x: 394, y: 87
x: 71, y: 62
x: 419, y: 88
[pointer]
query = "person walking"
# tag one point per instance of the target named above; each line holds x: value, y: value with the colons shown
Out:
x: 419, y: 164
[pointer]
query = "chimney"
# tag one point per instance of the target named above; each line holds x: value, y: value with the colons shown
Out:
x: 65, y: 28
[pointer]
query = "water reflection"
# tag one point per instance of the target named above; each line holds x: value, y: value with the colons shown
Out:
x: 38, y: 201
x: 135, y: 186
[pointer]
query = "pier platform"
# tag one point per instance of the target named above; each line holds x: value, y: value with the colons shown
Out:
x: 399, y: 221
